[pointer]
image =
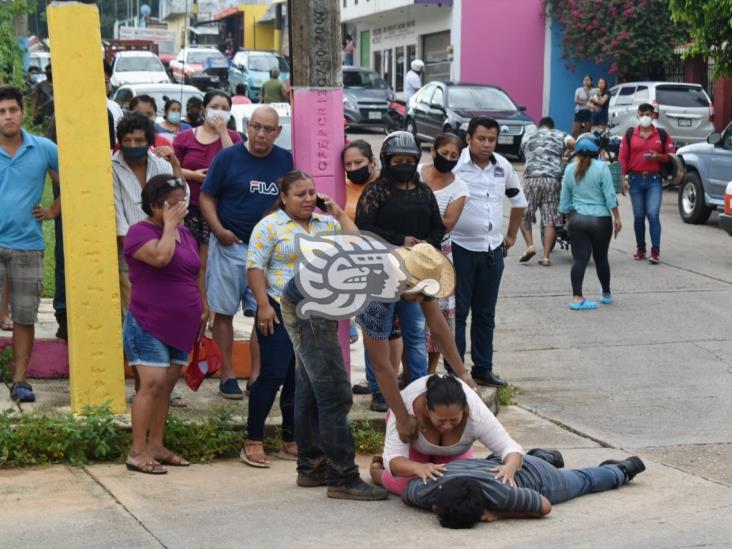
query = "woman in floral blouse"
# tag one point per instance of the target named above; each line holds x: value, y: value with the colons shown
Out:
x: 270, y: 266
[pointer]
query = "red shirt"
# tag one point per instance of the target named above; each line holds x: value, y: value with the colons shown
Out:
x: 632, y: 159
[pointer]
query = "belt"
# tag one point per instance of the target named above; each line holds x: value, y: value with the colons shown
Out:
x: 645, y: 174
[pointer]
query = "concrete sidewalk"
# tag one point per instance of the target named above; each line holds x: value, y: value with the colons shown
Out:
x: 227, y: 504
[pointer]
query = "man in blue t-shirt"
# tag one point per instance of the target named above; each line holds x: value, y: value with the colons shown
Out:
x: 25, y: 160
x: 240, y: 186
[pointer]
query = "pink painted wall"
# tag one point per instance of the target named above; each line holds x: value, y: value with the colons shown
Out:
x: 502, y: 43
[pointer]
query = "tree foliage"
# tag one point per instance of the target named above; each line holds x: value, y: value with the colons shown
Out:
x: 11, y: 56
x: 637, y: 37
x: 710, y: 24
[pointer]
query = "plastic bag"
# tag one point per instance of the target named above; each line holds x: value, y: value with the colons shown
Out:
x: 205, y: 361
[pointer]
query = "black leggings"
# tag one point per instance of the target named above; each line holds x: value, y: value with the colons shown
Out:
x: 589, y: 235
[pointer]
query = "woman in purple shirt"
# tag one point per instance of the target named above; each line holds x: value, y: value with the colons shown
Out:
x: 166, y: 314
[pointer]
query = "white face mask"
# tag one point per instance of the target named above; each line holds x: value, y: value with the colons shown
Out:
x: 645, y: 121
x: 213, y: 113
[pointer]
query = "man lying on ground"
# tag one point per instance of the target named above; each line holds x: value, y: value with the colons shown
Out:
x: 468, y: 491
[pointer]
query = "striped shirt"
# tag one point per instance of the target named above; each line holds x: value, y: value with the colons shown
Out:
x: 128, y: 190
x: 498, y: 496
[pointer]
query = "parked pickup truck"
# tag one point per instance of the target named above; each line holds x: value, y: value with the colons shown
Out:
x: 708, y: 171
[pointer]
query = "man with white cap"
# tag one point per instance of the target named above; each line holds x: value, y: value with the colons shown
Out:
x: 413, y: 80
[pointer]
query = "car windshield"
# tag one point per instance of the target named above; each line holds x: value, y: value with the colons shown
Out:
x: 135, y: 64
x: 284, y: 67
x: 363, y: 80
x: 200, y: 57
x: 262, y: 63
x: 681, y: 96
x: 479, y: 99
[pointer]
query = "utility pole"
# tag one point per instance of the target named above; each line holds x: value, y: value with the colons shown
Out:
x: 317, y: 119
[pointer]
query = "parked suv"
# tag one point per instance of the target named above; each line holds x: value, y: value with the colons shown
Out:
x: 366, y: 97
x: 201, y: 67
x: 445, y: 107
x: 708, y: 170
x: 683, y: 110
x: 252, y: 68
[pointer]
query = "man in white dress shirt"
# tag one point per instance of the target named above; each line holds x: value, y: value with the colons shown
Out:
x: 478, y: 242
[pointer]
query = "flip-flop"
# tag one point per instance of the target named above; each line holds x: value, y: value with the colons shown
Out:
x: 284, y: 454
x: 6, y: 325
x: 249, y: 461
x: 527, y: 255
x: 583, y: 305
x: 149, y: 468
x: 544, y: 262
x: 174, y: 460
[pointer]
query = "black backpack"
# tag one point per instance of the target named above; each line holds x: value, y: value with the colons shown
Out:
x: 666, y: 167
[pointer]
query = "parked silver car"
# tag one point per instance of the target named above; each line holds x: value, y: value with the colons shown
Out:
x: 708, y: 170
x: 366, y: 97
x: 683, y: 110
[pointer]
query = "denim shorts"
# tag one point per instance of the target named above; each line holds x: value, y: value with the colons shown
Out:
x: 227, y: 286
x: 143, y: 349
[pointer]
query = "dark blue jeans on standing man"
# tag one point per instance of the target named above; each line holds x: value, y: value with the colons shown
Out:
x: 646, y: 192
x: 478, y: 280
x: 277, y: 370
x: 322, y: 399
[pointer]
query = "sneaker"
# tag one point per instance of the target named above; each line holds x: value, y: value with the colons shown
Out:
x: 62, y: 332
x: 639, y: 254
x: 630, y: 467
x: 553, y: 457
x: 378, y: 403
x: 311, y: 481
x: 359, y: 491
x: 362, y: 388
x: 22, y: 392
x: 655, y: 258
x: 230, y: 389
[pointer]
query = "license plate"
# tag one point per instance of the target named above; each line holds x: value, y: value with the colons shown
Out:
x: 685, y: 122
x: 374, y: 115
x: 505, y: 139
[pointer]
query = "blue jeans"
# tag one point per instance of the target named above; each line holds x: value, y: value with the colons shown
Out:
x: 277, y: 370
x: 559, y: 485
x: 412, y: 325
x: 478, y: 280
x: 322, y: 399
x: 144, y: 349
x: 645, y: 196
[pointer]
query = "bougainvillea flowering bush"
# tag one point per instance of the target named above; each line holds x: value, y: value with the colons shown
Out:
x: 637, y: 37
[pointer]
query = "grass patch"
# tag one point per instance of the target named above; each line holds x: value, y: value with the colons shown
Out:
x: 49, y: 238
x: 507, y: 395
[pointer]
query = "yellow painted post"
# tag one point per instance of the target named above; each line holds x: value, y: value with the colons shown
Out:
x: 92, y: 292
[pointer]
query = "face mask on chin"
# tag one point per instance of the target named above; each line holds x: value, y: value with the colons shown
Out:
x: 645, y: 121
x: 359, y: 176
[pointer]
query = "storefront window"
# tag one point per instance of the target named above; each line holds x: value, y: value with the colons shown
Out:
x: 400, y: 60
x: 377, y: 61
x: 435, y: 56
x: 388, y: 70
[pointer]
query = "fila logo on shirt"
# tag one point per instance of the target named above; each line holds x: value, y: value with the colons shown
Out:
x: 262, y: 187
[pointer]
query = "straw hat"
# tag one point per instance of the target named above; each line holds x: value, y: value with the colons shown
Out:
x: 430, y: 272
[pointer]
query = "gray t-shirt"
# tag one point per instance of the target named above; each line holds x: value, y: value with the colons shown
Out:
x: 543, y: 150
x: 498, y: 496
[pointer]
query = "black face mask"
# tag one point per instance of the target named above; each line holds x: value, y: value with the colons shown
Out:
x: 403, y: 173
x: 442, y: 164
x: 359, y: 176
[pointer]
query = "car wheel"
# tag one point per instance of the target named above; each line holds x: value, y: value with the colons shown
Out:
x: 692, y: 208
x: 412, y: 128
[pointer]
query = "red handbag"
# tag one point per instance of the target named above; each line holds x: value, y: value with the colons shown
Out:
x: 205, y: 361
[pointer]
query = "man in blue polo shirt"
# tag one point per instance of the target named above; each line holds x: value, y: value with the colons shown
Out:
x: 25, y: 160
x: 240, y: 186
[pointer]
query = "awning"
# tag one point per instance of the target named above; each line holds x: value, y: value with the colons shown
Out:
x: 207, y: 31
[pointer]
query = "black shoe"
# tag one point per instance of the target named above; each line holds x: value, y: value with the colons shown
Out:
x: 553, y: 457
x: 359, y: 491
x: 62, y: 332
x: 630, y: 467
x: 490, y: 379
x: 378, y: 404
x: 361, y: 389
x: 311, y: 481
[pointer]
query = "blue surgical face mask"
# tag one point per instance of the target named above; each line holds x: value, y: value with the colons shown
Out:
x: 173, y: 117
x: 133, y: 154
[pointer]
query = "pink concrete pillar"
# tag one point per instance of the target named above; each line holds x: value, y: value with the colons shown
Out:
x: 317, y: 141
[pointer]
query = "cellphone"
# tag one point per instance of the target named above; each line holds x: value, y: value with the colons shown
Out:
x: 504, y: 249
x: 320, y: 203
x: 648, y: 156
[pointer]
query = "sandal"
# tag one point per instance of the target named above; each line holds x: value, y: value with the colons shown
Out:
x: 254, y: 459
x: 583, y: 305
x: 544, y: 262
x: 173, y: 460
x: 6, y: 325
x: 286, y: 452
x: 148, y: 468
x: 527, y: 255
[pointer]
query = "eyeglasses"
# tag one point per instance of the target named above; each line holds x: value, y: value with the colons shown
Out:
x: 175, y: 183
x: 256, y: 128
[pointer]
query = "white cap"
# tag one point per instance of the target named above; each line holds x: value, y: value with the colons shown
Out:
x: 417, y: 65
